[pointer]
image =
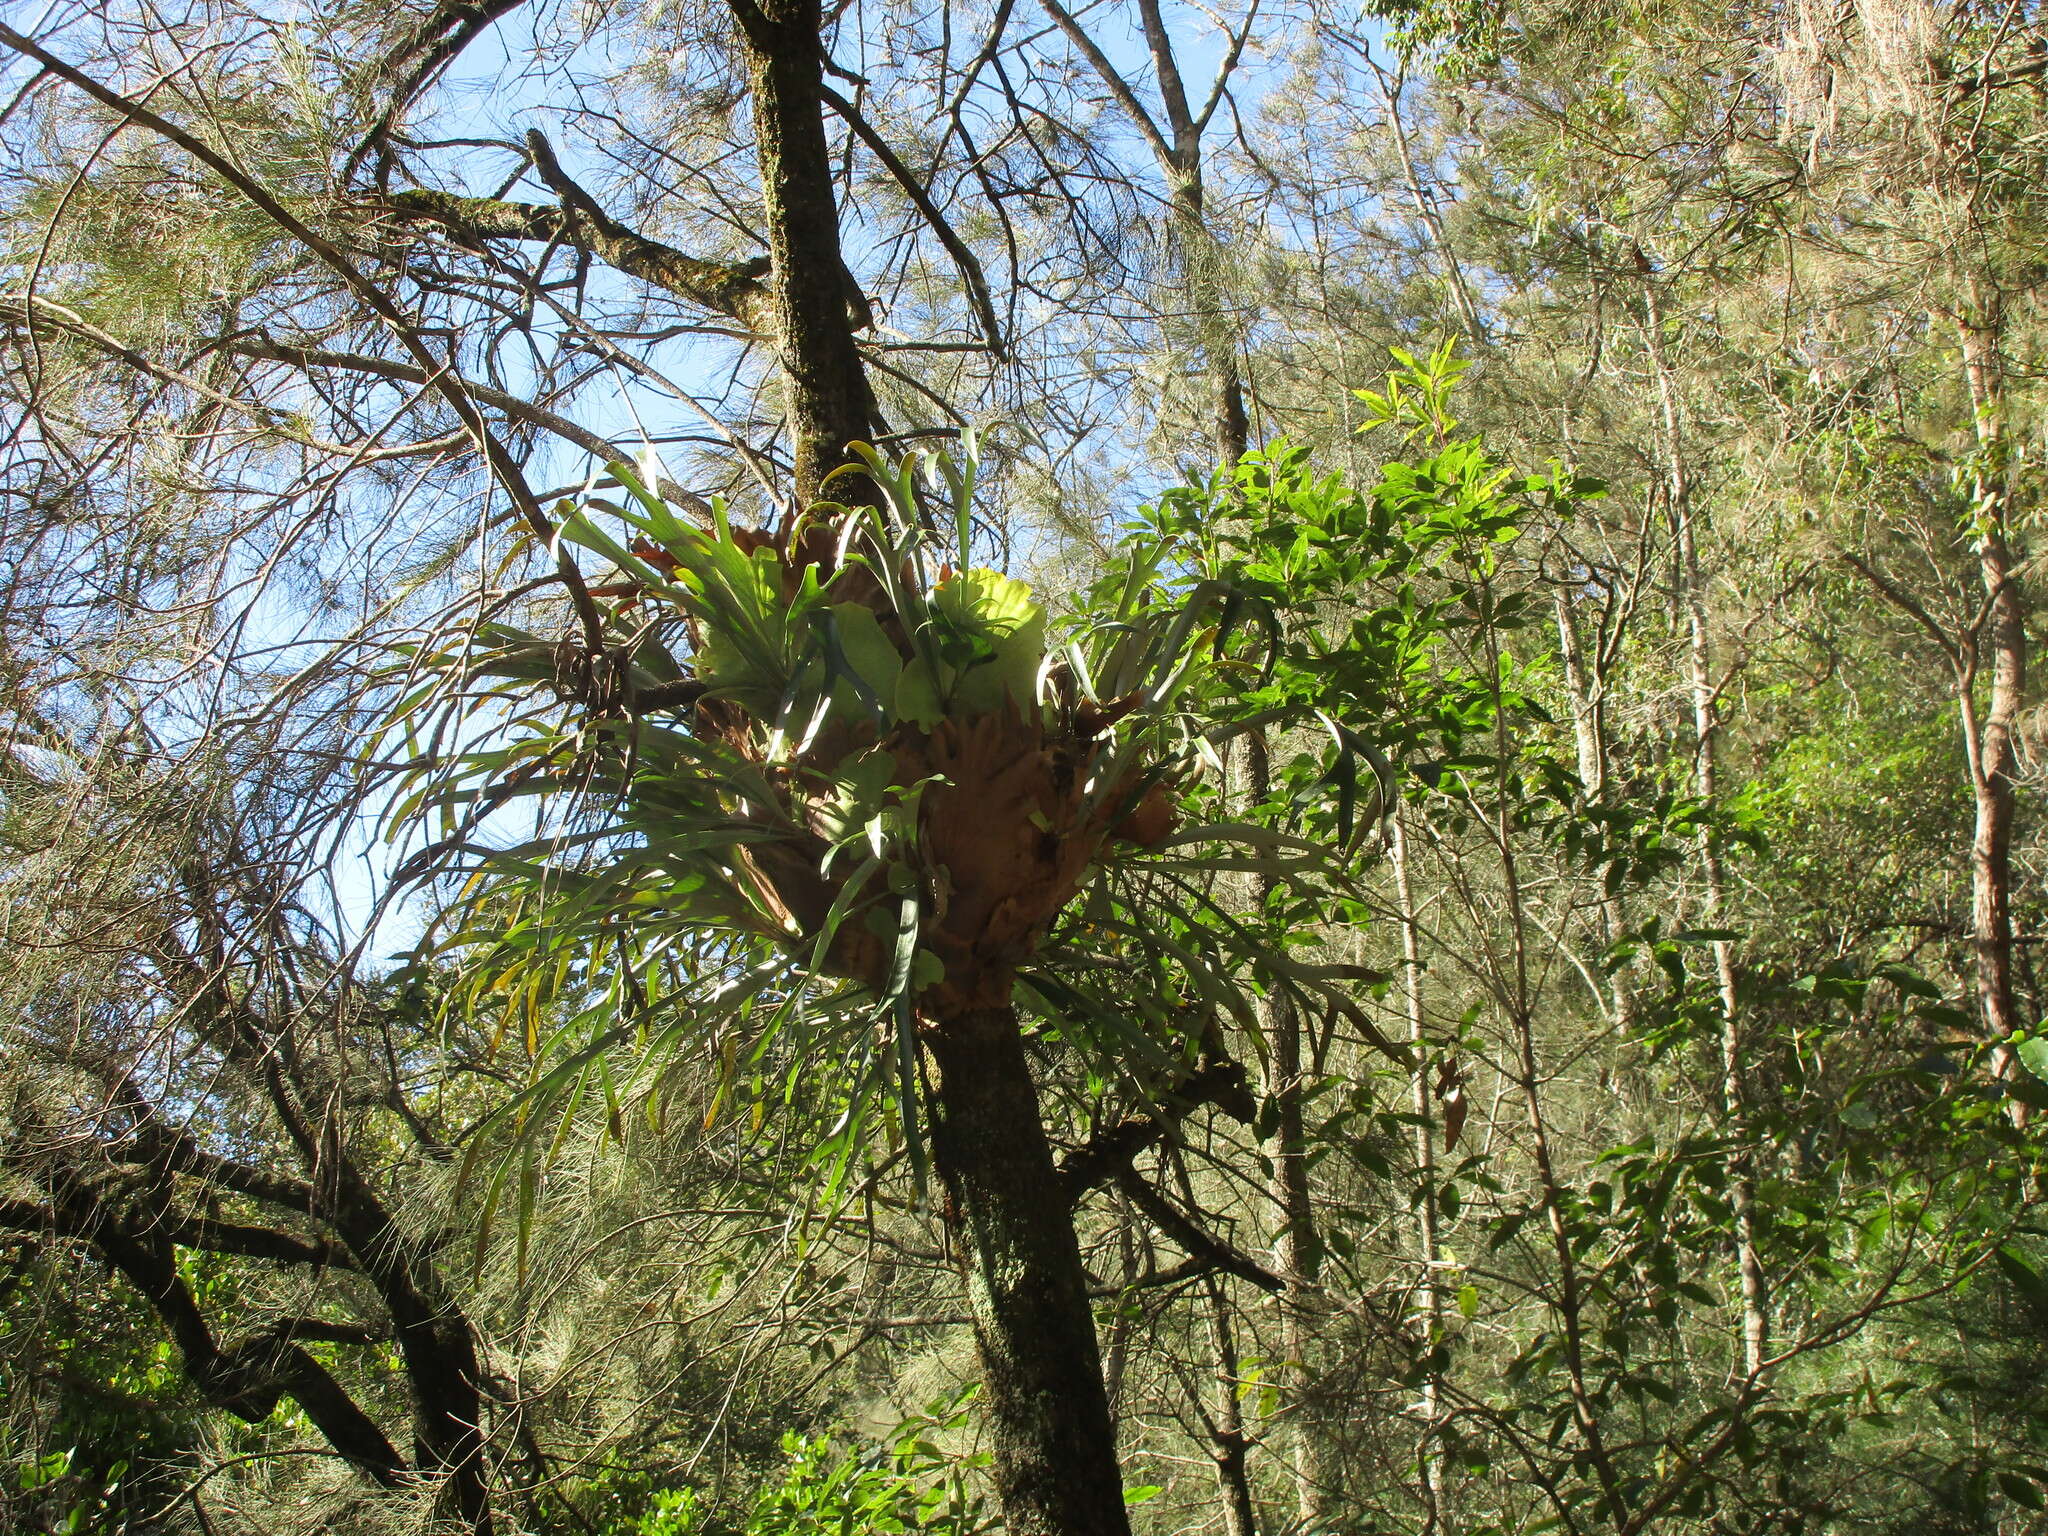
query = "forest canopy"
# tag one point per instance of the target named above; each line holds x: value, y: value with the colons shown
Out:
x: 1074, y: 769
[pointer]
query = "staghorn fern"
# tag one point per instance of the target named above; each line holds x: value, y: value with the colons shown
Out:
x: 803, y: 808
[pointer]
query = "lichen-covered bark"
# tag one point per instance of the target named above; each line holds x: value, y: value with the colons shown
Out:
x: 728, y: 288
x: 828, y: 398
x: 1055, y: 1449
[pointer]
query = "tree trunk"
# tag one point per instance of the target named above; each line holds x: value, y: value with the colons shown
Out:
x: 2004, y: 636
x: 1430, y: 1303
x: 1297, y: 1246
x: 1587, y: 692
x: 1200, y: 255
x: 1706, y: 749
x: 1048, y: 1413
x: 829, y: 402
x: 1233, y: 1478
x: 1007, y: 1211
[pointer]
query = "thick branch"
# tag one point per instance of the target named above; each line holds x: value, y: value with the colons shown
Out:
x: 256, y: 1242
x: 247, y: 1376
x: 733, y: 289
x: 151, y: 1141
x: 325, y: 1332
x: 1110, y: 1151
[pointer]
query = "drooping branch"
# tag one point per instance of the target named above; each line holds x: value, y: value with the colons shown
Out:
x: 435, y: 42
x: 1199, y: 1244
x: 419, y: 56
x: 969, y: 264
x: 504, y: 468
x: 513, y: 407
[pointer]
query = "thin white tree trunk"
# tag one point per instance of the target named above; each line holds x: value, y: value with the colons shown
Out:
x: 1706, y: 748
x: 1429, y: 1298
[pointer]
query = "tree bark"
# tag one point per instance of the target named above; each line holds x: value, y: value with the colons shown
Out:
x: 1006, y: 1206
x: 2003, y: 634
x: 829, y: 402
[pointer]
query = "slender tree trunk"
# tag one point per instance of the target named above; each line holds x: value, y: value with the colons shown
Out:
x: 1231, y: 424
x: 1429, y: 1249
x: 2003, y: 635
x: 1229, y: 1444
x: 1706, y: 748
x: 1515, y: 999
x: 1116, y: 1357
x: 1055, y: 1450
x: 1231, y: 429
x: 1589, y: 736
x: 1423, y: 201
x: 829, y: 402
x: 1233, y: 1478
x: 1297, y: 1249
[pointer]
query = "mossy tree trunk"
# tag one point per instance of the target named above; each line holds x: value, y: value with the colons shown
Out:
x: 811, y: 295
x: 1007, y: 1210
